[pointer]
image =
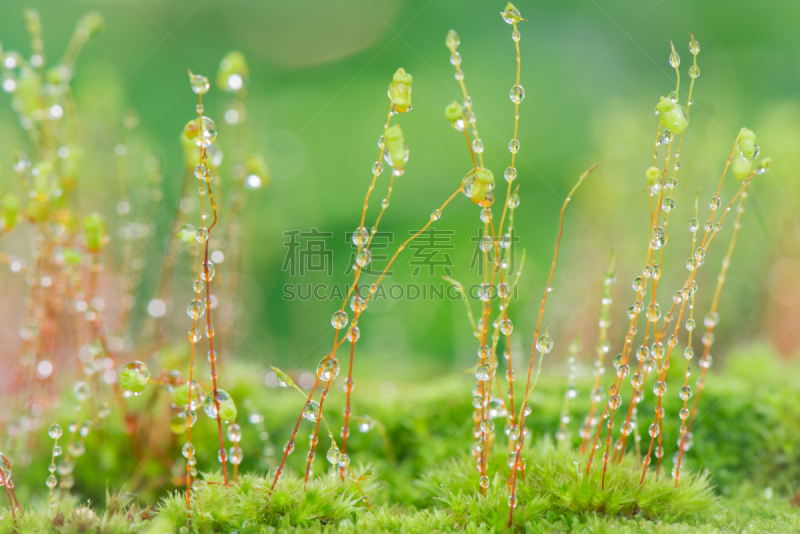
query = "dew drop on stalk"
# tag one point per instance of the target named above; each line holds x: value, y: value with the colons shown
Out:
x: 339, y: 320
x: 506, y: 326
x: 81, y: 390
x: 484, y: 372
x: 208, y: 271
x: 199, y: 84
x: 517, y: 94
x: 54, y: 431
x: 707, y: 339
x: 363, y: 257
x: 311, y: 411
x: 360, y: 236
x: 208, y: 132
x: 333, y: 454
x: 487, y: 425
x: 328, y: 369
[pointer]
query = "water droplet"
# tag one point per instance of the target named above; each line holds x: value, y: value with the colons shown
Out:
x: 311, y: 411
x: 208, y: 132
x: 544, y: 344
x: 199, y: 84
x: 363, y: 257
x: 360, y: 236
x: 208, y: 271
x: 54, y: 431
x: 513, y: 146
x: 328, y: 369
x: 134, y: 377
x: 487, y: 425
x: 82, y: 391
x: 339, y: 320
x: 517, y: 94
x: 484, y: 372
x: 196, y: 309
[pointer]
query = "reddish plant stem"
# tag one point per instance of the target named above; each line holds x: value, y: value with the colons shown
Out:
x: 704, y: 246
x: 349, y: 390
x: 515, y: 468
x: 709, y: 331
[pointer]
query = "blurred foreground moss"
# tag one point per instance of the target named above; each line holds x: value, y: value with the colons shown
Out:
x: 746, y: 441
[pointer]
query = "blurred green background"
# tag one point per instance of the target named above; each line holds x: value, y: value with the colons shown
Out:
x: 592, y: 72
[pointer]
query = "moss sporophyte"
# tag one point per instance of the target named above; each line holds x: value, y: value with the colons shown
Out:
x: 84, y: 274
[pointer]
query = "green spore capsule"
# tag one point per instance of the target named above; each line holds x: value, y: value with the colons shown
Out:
x: 233, y: 72
x: 477, y: 184
x: 33, y: 22
x: 187, y: 233
x: 227, y: 408
x: 763, y: 166
x: 396, y: 149
x: 10, y: 211
x: 511, y: 14
x: 747, y: 144
x: 90, y: 26
x: 180, y: 395
x: 455, y: 113
x: 72, y: 256
x: 741, y: 167
x: 673, y: 115
x: 452, y: 41
x: 134, y: 377
x: 37, y: 209
x: 653, y: 174
x: 94, y: 228
x: 179, y: 423
x: 400, y: 91
x: 256, y: 172
x: 187, y: 138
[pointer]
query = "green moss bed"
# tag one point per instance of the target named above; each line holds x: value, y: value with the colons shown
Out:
x: 742, y: 473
